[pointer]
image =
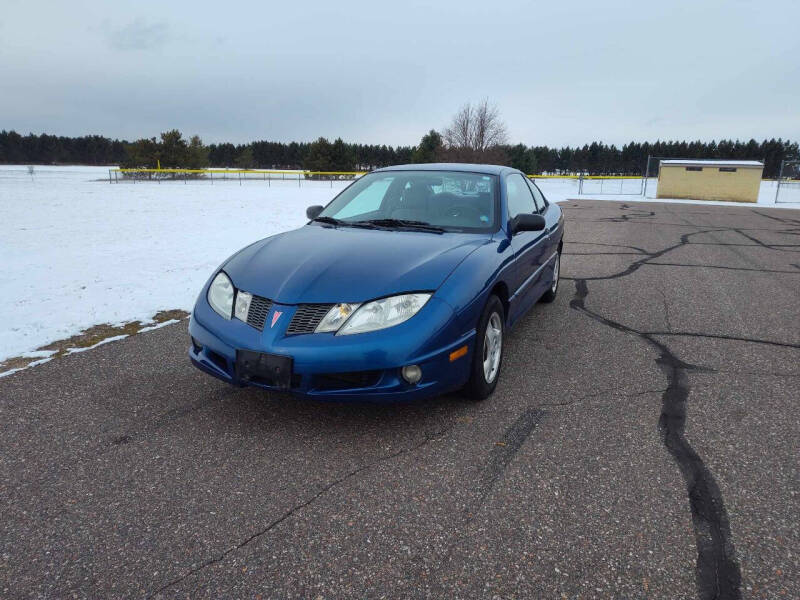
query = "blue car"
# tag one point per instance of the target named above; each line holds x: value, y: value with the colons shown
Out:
x: 401, y: 288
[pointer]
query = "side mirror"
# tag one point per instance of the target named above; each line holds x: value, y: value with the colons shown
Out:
x: 312, y: 212
x: 527, y: 222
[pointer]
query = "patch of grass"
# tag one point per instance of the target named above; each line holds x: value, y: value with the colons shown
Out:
x: 91, y: 336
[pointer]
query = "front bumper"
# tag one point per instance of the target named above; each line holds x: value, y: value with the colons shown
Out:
x: 361, y: 367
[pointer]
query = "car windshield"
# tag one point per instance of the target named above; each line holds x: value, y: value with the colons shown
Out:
x: 450, y: 200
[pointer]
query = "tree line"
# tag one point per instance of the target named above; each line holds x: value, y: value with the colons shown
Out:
x: 171, y: 149
x: 601, y: 159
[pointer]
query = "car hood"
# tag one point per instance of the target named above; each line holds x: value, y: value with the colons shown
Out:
x: 325, y: 264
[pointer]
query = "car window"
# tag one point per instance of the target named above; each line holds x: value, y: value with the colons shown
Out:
x: 541, y: 202
x: 518, y: 196
x: 367, y: 200
x: 452, y: 200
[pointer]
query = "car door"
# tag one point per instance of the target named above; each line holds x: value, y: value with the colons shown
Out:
x: 552, y: 218
x: 529, y: 246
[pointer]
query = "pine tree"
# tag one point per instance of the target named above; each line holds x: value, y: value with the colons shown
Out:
x: 173, y: 150
x: 245, y: 159
x: 342, y: 157
x: 429, y: 149
x: 196, y: 154
x: 319, y: 156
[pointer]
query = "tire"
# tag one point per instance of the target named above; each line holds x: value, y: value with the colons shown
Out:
x: 485, y: 369
x: 551, y: 292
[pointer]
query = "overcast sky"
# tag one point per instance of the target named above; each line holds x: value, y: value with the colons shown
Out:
x: 561, y: 72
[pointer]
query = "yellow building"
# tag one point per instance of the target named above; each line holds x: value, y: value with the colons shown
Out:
x: 731, y: 180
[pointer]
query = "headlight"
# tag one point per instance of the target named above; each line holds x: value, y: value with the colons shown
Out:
x: 335, y: 317
x: 384, y: 313
x: 220, y: 295
x: 242, y: 306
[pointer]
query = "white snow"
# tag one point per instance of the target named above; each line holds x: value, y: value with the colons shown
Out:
x: 38, y: 354
x: 12, y: 371
x: 158, y: 325
x: 712, y: 162
x: 630, y: 190
x: 77, y: 251
x: 108, y: 340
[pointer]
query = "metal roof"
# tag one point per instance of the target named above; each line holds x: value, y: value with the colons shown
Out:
x: 465, y: 167
x: 713, y: 163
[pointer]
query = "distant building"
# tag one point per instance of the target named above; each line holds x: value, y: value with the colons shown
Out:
x: 731, y: 180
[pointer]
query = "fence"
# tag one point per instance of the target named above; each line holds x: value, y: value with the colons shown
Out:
x: 595, y: 185
x: 582, y: 184
x: 787, y: 187
x: 268, y: 175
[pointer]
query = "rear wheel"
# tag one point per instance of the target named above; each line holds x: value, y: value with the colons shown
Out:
x: 488, y: 355
x: 550, y: 294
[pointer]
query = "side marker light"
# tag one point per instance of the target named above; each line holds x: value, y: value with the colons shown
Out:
x: 456, y: 354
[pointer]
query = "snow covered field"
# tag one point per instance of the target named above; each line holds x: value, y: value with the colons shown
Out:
x: 558, y: 190
x: 77, y: 251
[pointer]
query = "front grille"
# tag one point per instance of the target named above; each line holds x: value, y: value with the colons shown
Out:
x: 257, y: 315
x: 307, y: 317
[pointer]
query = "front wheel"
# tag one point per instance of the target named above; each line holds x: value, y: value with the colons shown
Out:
x: 488, y: 355
x: 550, y: 294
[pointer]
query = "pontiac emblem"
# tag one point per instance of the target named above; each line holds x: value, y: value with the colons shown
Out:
x: 275, y: 316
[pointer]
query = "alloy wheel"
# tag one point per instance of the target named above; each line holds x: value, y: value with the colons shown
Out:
x: 556, y: 269
x: 492, y: 347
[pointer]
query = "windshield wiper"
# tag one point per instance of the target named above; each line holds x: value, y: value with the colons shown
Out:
x: 328, y: 220
x: 422, y: 225
x: 341, y: 223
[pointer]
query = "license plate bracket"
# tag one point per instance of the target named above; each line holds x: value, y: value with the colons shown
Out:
x: 269, y: 369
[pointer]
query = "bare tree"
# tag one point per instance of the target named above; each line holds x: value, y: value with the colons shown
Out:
x: 489, y: 130
x: 476, y: 134
x: 459, y: 134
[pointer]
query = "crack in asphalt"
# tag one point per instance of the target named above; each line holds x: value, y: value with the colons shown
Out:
x: 631, y: 221
x: 726, y: 244
x: 629, y: 217
x: 637, y: 248
x: 717, y: 573
x: 663, y: 264
x: 298, y: 507
x: 636, y: 265
x: 714, y: 336
x: 785, y: 221
x: 758, y: 242
x: 666, y: 307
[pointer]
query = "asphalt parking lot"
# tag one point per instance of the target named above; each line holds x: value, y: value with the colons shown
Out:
x: 643, y: 442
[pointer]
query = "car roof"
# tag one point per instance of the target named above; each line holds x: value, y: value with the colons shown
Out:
x: 463, y: 167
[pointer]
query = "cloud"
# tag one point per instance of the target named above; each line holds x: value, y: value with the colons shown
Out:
x: 139, y: 35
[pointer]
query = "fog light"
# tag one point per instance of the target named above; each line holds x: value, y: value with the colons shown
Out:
x: 412, y: 373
